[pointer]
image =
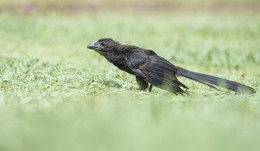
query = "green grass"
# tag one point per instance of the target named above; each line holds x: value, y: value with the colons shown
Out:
x: 57, y: 95
x: 120, y: 1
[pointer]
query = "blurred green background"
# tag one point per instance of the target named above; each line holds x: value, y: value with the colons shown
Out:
x: 57, y: 95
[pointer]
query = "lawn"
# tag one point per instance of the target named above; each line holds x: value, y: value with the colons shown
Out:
x: 57, y: 95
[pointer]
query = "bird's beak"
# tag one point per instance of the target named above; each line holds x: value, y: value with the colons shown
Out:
x: 93, y: 45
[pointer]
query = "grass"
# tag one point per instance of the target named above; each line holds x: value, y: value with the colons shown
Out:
x: 120, y: 1
x: 57, y: 95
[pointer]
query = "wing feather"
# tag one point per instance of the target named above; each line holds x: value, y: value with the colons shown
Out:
x: 156, y: 71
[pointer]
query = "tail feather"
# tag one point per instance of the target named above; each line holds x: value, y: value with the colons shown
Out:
x: 205, y: 79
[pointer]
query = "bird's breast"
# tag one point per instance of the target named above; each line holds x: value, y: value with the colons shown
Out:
x: 121, y: 63
x: 123, y: 66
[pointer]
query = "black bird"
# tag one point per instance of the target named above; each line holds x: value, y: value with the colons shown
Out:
x: 150, y: 68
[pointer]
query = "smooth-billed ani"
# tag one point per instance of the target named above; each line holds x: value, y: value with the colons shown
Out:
x: 150, y: 68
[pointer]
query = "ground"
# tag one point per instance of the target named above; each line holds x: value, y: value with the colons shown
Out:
x: 57, y: 95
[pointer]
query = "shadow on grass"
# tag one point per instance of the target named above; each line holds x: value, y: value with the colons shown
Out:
x: 113, y: 84
x: 110, y: 83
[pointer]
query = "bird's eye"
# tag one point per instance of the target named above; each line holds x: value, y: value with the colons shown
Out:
x: 103, y: 43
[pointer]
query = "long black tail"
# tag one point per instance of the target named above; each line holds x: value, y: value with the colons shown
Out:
x: 206, y: 79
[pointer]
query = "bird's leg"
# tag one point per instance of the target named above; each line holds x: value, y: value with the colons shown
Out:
x: 142, y: 84
x: 150, y: 88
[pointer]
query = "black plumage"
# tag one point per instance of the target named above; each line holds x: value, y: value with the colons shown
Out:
x: 150, y: 68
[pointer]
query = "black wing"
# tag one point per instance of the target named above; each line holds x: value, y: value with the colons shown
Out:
x: 156, y: 71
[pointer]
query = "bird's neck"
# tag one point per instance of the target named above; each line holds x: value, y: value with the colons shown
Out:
x: 118, y: 54
x: 118, y: 57
x: 113, y: 56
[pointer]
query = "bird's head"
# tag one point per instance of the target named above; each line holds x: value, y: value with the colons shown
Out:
x: 102, y: 46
